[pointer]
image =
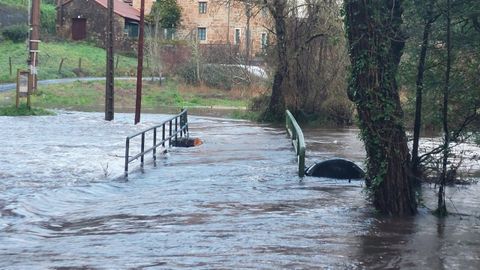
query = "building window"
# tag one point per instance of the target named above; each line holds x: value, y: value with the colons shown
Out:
x: 264, y: 41
x: 169, y: 33
x: 202, y: 7
x: 202, y: 33
x: 131, y: 29
x: 236, y: 38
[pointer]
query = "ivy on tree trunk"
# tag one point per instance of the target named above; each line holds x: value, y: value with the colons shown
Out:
x: 376, y: 45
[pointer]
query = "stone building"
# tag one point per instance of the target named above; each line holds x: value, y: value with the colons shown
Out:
x: 87, y: 20
x: 214, y: 22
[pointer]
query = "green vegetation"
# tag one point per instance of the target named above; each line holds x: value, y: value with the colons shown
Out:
x: 244, y: 114
x: 14, y: 3
x: 16, y: 33
x: 51, y: 65
x: 166, y: 13
x: 48, y: 12
x: 375, y: 48
x: 23, y: 110
x: 48, y: 17
x: 88, y: 95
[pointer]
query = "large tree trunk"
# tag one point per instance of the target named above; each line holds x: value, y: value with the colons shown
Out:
x: 376, y: 45
x: 276, y: 106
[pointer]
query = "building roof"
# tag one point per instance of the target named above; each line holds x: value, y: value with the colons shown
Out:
x: 123, y: 9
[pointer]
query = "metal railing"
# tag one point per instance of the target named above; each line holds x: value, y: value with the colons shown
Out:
x: 298, y: 141
x: 176, y: 126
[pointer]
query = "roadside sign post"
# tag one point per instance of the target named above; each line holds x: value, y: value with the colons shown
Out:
x: 24, y: 87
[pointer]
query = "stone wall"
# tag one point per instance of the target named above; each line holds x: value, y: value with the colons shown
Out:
x: 221, y: 23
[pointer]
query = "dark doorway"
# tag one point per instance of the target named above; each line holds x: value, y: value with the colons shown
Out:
x: 79, y: 28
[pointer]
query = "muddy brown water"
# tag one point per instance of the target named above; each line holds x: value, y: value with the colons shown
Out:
x: 233, y: 203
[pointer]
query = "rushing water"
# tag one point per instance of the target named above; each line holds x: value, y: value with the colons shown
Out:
x: 233, y: 203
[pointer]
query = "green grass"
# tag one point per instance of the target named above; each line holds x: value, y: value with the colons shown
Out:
x: 23, y: 110
x: 245, y: 114
x: 51, y: 54
x: 80, y: 95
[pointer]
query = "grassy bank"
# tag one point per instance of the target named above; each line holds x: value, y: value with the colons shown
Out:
x: 50, y: 57
x: 90, y: 95
x: 23, y: 110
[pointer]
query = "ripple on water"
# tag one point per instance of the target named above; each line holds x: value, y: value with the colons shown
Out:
x: 234, y: 202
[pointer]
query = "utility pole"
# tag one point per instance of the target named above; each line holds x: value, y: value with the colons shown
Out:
x: 34, y: 40
x: 110, y: 68
x: 138, y: 101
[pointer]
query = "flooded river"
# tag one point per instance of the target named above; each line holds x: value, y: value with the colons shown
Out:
x: 233, y: 203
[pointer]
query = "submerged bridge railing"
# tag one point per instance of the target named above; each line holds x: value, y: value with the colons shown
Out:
x: 171, y: 129
x: 298, y: 141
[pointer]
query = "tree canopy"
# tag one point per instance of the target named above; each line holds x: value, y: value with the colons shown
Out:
x: 167, y: 13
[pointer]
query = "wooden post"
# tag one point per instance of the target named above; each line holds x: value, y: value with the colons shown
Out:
x: 29, y: 103
x: 60, y: 66
x: 138, y: 101
x: 17, y: 99
x: 10, y: 65
x: 80, y: 64
x: 34, y: 40
x: 109, y: 87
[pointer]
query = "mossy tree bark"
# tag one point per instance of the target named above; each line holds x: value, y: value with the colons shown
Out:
x: 376, y: 44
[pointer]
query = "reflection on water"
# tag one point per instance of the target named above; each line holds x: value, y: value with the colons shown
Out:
x: 234, y: 202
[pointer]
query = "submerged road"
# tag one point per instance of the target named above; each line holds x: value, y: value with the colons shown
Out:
x: 234, y: 202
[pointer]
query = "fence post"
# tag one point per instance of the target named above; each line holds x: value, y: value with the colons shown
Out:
x: 10, y: 65
x: 127, y: 148
x: 186, y: 123
x: 60, y: 66
x: 154, y: 144
x: 170, y: 134
x: 142, y: 149
x: 163, y: 135
x: 176, y: 129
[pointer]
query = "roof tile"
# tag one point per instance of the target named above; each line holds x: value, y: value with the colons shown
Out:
x: 123, y: 9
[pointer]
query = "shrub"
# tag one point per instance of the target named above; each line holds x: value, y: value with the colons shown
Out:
x: 218, y: 77
x: 16, y: 33
x: 188, y: 73
x: 213, y: 75
x: 48, y: 17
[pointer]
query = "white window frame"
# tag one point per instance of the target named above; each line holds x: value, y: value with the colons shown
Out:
x: 206, y: 7
x: 198, y: 34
